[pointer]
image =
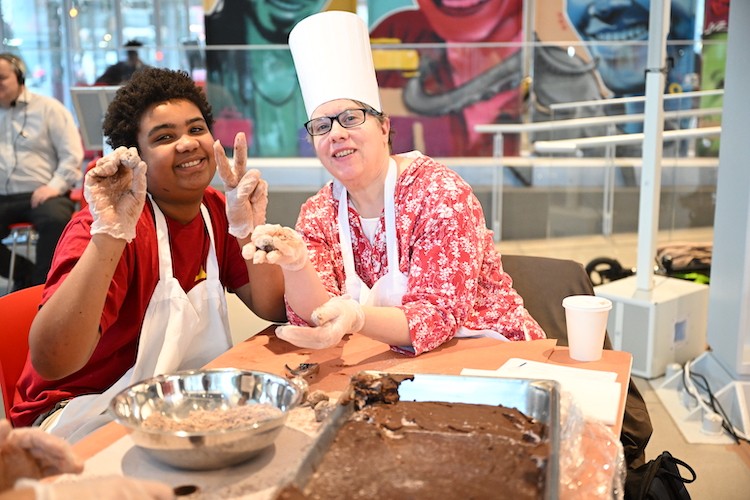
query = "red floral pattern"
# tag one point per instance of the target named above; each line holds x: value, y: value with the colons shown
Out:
x: 455, y: 275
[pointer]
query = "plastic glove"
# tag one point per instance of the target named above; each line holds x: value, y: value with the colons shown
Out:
x: 334, y: 319
x: 246, y: 192
x: 115, y: 190
x: 32, y: 453
x: 274, y: 244
x: 103, y: 487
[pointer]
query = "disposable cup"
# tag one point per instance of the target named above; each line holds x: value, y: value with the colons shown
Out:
x: 586, y: 318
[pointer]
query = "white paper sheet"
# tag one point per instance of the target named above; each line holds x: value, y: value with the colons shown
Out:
x: 596, y: 392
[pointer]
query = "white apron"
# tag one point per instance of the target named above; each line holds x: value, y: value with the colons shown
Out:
x: 180, y: 332
x: 391, y: 287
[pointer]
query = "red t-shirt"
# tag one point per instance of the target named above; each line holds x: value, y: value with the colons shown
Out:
x: 129, y: 295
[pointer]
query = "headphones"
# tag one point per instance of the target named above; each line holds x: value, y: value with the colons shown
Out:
x: 18, y: 66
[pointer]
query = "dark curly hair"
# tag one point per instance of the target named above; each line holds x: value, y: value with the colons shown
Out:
x: 147, y: 87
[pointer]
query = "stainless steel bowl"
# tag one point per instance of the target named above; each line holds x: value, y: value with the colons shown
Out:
x: 176, y: 395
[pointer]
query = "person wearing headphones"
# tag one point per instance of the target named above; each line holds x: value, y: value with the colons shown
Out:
x: 41, y: 155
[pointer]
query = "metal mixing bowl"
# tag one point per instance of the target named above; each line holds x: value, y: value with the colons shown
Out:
x: 175, y: 396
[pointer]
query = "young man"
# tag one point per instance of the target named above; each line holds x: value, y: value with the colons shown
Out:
x: 137, y: 288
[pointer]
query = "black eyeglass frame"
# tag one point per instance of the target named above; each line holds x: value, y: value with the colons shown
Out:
x: 365, y: 112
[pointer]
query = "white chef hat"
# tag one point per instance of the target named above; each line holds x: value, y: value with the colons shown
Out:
x: 333, y: 58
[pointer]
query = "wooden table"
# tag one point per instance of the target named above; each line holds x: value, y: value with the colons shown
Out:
x: 265, y: 352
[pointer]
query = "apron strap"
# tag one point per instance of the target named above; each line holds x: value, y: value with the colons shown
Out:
x: 212, y: 263
x: 162, y: 240
x: 389, y: 202
x: 354, y: 284
x: 345, y: 239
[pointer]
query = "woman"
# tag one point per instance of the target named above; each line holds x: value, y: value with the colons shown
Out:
x: 396, y: 247
x: 137, y: 286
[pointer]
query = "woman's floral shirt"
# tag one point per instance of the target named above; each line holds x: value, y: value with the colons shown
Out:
x: 455, y: 275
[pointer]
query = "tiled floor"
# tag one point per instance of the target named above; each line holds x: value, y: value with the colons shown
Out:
x: 722, y: 471
x: 622, y: 247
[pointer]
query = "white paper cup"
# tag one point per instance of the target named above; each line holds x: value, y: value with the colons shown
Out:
x: 586, y: 319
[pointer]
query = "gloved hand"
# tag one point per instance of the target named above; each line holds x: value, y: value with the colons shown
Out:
x: 102, y: 487
x: 246, y: 192
x: 274, y: 244
x: 334, y: 319
x: 32, y: 453
x: 115, y: 190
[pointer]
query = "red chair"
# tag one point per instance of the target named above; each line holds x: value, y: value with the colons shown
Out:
x: 77, y: 193
x: 17, y: 310
x: 20, y: 233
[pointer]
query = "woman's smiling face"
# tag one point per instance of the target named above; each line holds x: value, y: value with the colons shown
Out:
x: 347, y: 153
x: 176, y: 144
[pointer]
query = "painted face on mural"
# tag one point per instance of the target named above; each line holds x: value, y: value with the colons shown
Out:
x: 469, y: 20
x: 276, y: 18
x: 621, y: 64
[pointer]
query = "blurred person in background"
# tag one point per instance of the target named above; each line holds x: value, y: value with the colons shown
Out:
x: 41, y: 155
x: 121, y: 71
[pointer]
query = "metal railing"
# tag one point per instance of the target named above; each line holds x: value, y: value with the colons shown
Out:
x: 570, y: 146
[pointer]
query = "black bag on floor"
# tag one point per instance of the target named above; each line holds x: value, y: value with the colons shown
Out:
x: 659, y: 479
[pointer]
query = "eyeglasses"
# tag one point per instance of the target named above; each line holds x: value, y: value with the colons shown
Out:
x: 348, y: 118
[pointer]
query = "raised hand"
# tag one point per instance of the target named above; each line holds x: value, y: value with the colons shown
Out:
x: 246, y: 192
x: 115, y: 190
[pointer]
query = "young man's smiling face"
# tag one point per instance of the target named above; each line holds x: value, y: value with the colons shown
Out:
x: 176, y: 144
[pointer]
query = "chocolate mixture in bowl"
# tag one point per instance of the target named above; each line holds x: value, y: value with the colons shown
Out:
x: 201, y: 420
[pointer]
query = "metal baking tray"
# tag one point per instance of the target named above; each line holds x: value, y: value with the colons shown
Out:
x: 539, y: 399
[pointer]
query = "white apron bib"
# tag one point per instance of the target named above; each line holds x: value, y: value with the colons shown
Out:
x: 180, y: 332
x: 391, y: 287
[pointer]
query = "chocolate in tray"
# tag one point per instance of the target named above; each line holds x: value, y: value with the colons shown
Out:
x: 436, y: 436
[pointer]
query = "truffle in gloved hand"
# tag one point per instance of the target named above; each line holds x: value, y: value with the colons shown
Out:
x: 246, y: 192
x: 274, y: 244
x: 334, y: 319
x: 115, y: 190
x: 29, y: 452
